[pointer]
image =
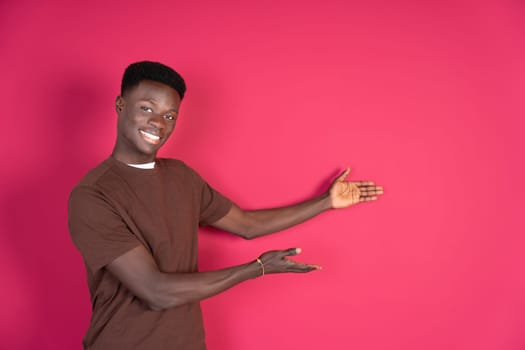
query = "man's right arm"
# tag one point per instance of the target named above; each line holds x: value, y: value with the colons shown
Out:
x: 138, y: 271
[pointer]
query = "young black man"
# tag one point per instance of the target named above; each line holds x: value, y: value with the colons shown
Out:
x: 135, y: 219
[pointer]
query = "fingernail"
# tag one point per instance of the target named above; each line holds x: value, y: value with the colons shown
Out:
x: 298, y: 250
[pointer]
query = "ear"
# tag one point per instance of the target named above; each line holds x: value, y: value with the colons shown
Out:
x: 119, y: 104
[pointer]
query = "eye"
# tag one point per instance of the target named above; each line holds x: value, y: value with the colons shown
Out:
x: 146, y: 109
x: 169, y: 117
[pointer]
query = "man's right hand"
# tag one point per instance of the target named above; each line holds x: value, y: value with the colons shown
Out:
x: 276, y: 261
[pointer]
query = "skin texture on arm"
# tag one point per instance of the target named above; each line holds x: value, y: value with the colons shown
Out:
x: 138, y: 271
x: 256, y: 223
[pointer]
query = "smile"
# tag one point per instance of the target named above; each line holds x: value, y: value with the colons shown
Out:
x: 150, y: 138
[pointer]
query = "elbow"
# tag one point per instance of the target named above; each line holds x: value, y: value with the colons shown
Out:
x: 162, y: 305
x: 255, y: 231
x: 249, y: 226
x: 153, y: 301
x: 249, y: 230
x: 162, y: 302
x: 247, y: 236
x: 155, y: 306
x: 159, y: 297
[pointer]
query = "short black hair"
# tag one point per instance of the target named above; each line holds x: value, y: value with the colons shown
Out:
x: 147, y: 70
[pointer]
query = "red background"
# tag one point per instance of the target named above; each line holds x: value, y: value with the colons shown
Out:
x: 426, y: 98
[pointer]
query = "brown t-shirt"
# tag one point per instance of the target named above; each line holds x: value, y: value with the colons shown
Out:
x: 114, y: 209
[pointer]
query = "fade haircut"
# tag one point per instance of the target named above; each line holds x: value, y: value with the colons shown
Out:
x: 155, y: 71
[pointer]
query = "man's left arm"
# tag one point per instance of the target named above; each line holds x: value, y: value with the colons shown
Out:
x: 256, y: 223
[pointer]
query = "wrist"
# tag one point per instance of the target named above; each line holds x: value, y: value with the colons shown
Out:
x: 326, y: 201
x: 261, y: 265
x: 254, y: 269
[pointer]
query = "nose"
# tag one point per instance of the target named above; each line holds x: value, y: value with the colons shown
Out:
x: 157, y: 121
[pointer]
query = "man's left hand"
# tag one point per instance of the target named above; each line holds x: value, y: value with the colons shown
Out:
x: 346, y: 193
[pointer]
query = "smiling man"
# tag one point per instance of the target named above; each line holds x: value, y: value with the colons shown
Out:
x: 135, y: 220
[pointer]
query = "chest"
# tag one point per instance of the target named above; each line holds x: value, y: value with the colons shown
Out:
x: 163, y: 213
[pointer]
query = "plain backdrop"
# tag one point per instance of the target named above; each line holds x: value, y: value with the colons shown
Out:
x: 424, y: 97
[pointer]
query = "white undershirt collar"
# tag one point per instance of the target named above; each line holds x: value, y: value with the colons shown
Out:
x: 150, y: 165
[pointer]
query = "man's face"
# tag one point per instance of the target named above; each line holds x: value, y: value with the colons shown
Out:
x: 146, y: 117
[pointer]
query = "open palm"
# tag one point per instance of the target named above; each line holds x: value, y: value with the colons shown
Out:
x: 346, y: 193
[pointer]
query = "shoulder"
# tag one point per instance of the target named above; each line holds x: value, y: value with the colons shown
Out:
x: 98, y: 173
x: 173, y: 164
x: 178, y: 167
x: 98, y: 180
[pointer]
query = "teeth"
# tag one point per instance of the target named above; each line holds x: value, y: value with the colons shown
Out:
x: 150, y: 136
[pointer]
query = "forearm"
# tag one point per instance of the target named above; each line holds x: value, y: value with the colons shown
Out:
x: 265, y: 221
x: 255, y: 223
x: 174, y: 289
x: 138, y: 271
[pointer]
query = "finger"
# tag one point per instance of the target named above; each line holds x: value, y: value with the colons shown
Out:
x: 370, y: 187
x: 370, y: 193
x: 367, y: 199
x: 304, y: 269
x: 300, y: 267
x: 364, y: 183
x: 343, y: 175
x: 378, y: 189
x: 291, y: 252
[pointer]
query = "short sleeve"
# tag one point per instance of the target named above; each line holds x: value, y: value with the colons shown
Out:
x: 213, y: 205
x: 97, y: 229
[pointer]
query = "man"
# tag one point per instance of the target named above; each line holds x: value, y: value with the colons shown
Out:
x: 135, y: 219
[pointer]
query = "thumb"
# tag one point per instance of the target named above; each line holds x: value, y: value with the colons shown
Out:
x: 343, y: 175
x: 292, y: 251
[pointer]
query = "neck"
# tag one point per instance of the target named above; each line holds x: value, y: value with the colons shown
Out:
x: 132, y: 158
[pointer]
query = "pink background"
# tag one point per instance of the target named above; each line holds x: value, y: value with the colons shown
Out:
x: 425, y: 97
